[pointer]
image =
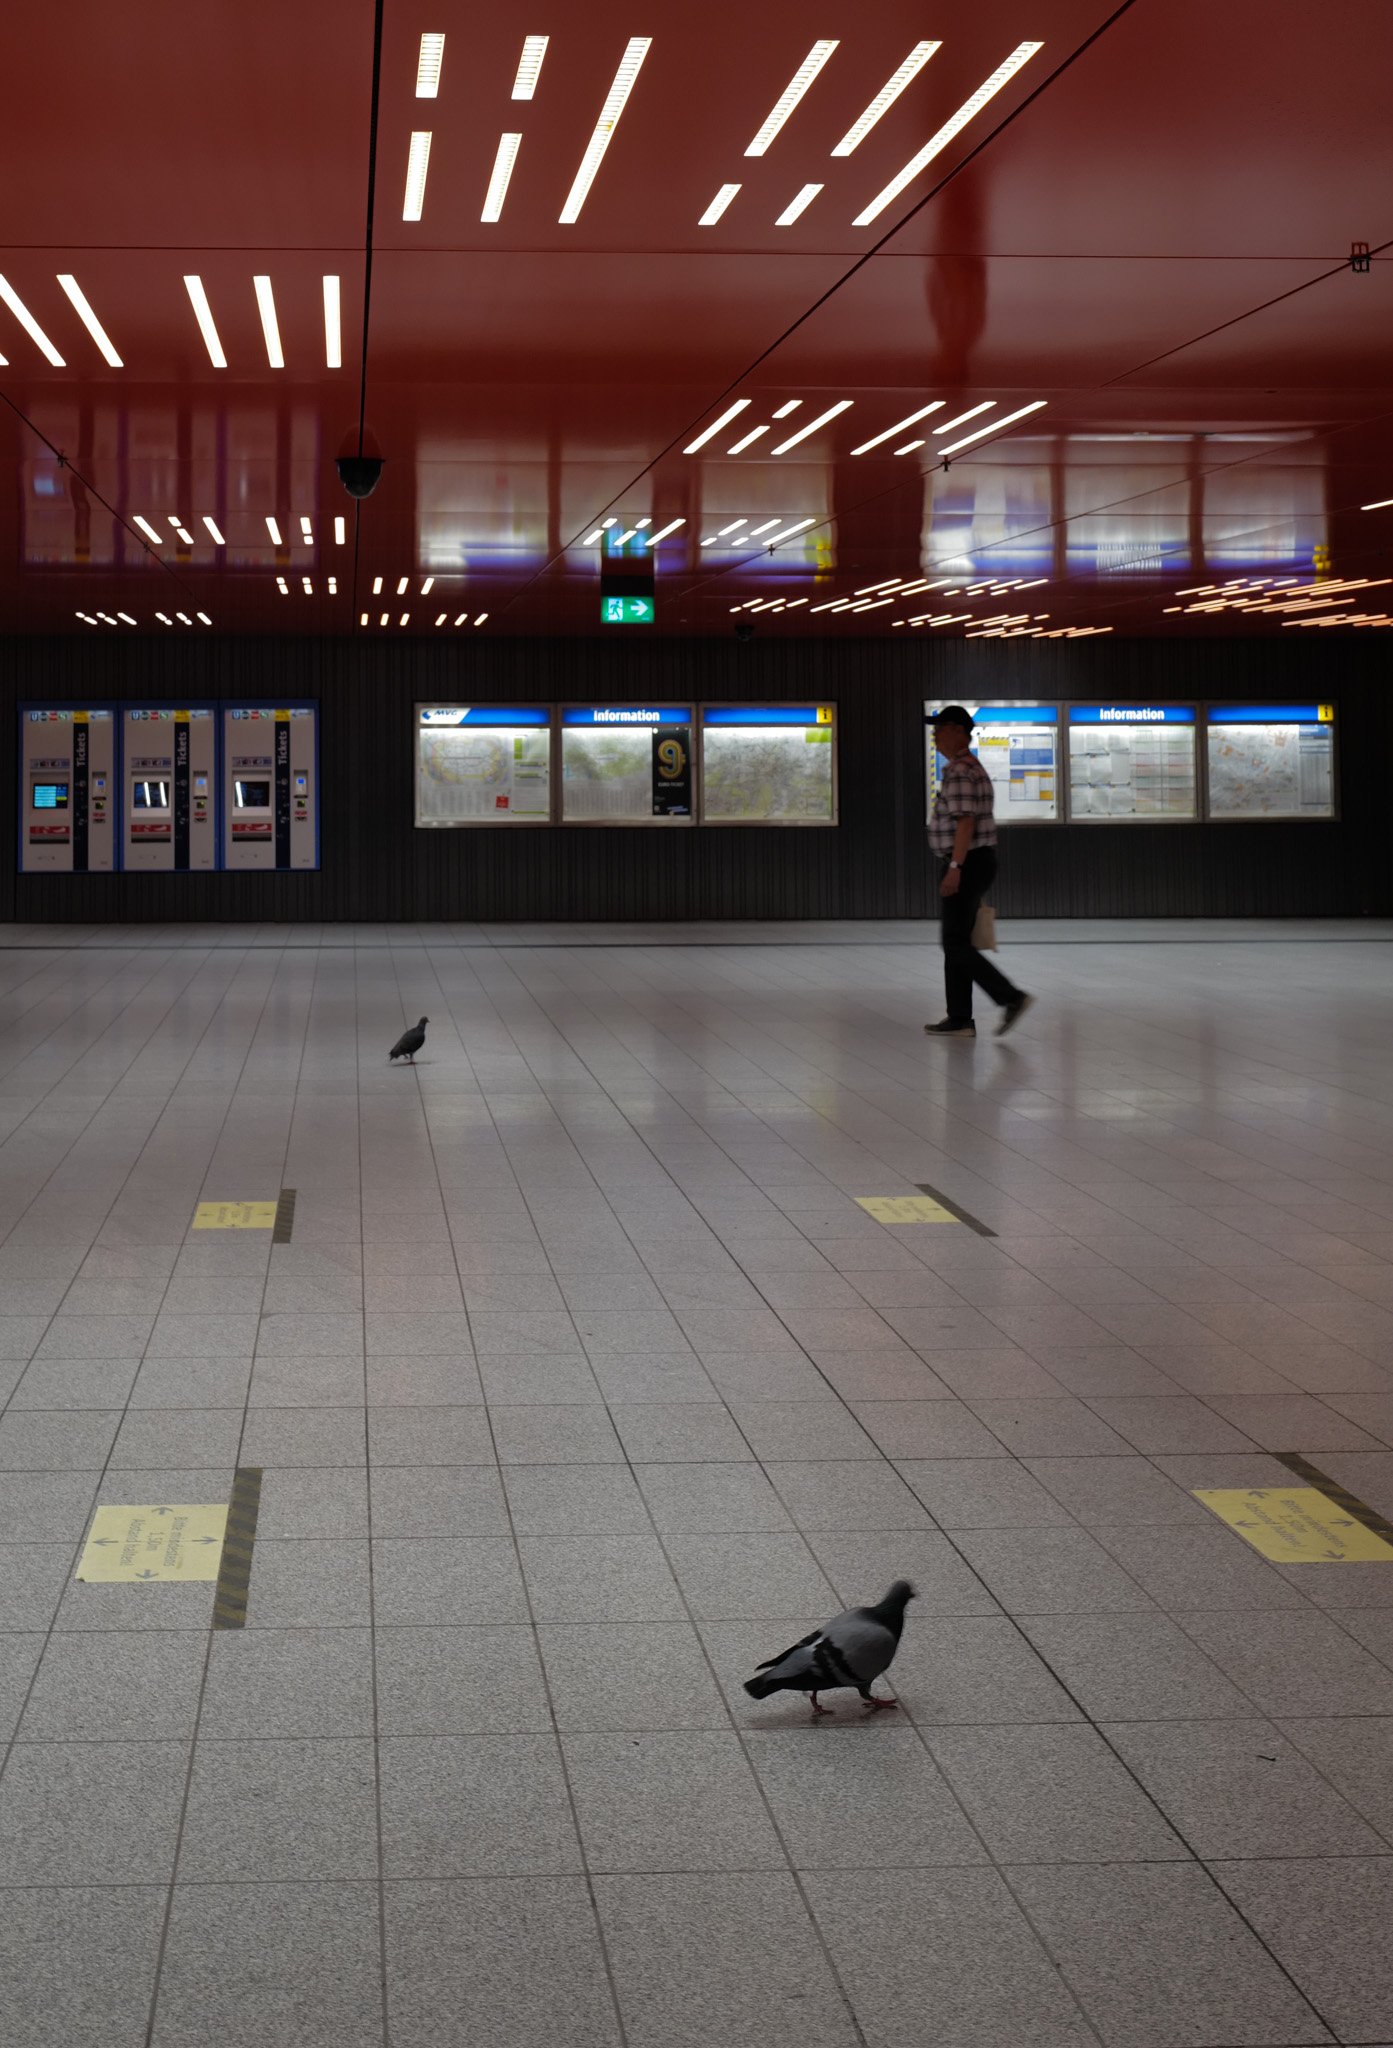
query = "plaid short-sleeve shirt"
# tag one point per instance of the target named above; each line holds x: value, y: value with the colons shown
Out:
x: 964, y: 791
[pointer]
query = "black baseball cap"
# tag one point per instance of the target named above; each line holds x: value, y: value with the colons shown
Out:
x: 954, y: 714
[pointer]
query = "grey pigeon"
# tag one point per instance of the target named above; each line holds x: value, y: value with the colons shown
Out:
x: 410, y: 1043
x: 852, y: 1650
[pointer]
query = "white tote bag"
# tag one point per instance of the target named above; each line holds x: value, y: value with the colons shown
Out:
x: 984, y: 929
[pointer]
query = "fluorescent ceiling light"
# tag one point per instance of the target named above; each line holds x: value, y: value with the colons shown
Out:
x: 212, y: 527
x: 909, y: 447
x: 30, y: 324
x: 508, y: 147
x: 960, y: 419
x: 790, y: 96
x: 163, y: 617
x: 441, y: 620
x: 427, y: 585
x: 203, y: 313
x: 611, y: 521
x: 125, y: 618
x: 797, y: 206
x: 789, y: 405
x: 89, y: 320
x: 282, y: 586
x: 203, y: 616
x: 534, y: 48
x: 615, y: 101
x: 718, y: 206
x: 307, y: 585
x: 428, y: 66
x: 1377, y: 505
x: 333, y: 586
x: 734, y: 526
x: 813, y: 425
x: 641, y: 523
x: 995, y: 426
x: 417, y: 164
x: 377, y: 586
x: 912, y: 419
x: 871, y: 589
x: 480, y: 620
x: 266, y: 306
x: 955, y: 123
x: 715, y: 427
x: 591, y: 538
x: 886, y: 97
x: 627, y: 535
x: 340, y: 531
x: 307, y: 529
x: 738, y: 447
x: 405, y: 619
x: 767, y: 527
x: 788, y: 531
x: 794, y: 603
x: 664, y: 531
x: 384, y: 619
x: 147, y: 529
x: 462, y: 619
x: 274, y: 531
x: 185, y: 536
x: 333, y: 335
x: 362, y: 618
x: 402, y: 582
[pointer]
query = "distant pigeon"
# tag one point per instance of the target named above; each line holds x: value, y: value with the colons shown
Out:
x: 852, y: 1650
x: 410, y: 1043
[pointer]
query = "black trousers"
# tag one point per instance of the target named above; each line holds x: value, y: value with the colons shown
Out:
x: 962, y: 963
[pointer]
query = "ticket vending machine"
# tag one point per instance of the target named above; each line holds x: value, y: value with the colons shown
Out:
x: 67, y: 794
x: 270, y: 778
x: 169, y: 783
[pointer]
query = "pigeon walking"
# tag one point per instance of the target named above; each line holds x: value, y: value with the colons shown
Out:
x: 410, y: 1043
x: 852, y: 1650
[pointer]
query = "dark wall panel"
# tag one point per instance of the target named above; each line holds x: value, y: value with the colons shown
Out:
x: 377, y: 866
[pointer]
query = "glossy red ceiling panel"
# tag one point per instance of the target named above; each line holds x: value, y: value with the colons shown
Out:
x: 1138, y: 236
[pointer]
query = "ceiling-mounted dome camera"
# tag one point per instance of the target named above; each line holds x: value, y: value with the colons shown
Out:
x: 359, y: 474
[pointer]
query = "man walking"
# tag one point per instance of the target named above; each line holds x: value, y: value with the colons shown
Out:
x: 962, y: 832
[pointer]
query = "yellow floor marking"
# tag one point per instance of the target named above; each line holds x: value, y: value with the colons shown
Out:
x: 904, y: 1209
x: 235, y: 1216
x: 145, y: 1544
x: 1294, y: 1525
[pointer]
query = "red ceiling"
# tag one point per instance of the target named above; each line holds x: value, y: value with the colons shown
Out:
x: 1148, y: 228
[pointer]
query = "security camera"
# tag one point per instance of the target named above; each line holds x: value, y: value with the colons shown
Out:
x: 359, y: 474
x: 745, y: 630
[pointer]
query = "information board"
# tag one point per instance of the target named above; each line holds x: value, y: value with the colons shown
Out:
x: 270, y: 777
x: 1018, y: 745
x: 1131, y: 763
x: 67, y: 790
x: 483, y: 764
x: 1271, y: 760
x: 768, y: 764
x: 626, y: 764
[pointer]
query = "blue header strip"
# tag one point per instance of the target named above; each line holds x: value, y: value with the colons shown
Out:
x: 1016, y: 714
x: 767, y: 714
x: 1131, y: 714
x: 621, y: 715
x: 483, y: 714
x: 1270, y: 714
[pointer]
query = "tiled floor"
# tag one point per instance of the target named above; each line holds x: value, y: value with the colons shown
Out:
x: 584, y: 1384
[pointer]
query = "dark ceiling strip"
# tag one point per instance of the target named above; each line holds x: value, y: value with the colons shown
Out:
x: 367, y: 264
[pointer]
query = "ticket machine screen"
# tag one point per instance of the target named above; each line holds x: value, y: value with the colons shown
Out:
x: 252, y: 796
x: 50, y: 796
x: 150, y: 796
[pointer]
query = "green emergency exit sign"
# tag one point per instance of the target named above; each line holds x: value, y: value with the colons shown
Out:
x: 627, y: 611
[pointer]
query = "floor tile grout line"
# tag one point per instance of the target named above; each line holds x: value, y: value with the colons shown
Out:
x: 383, y: 1967
x: 162, y: 1950
x: 597, y: 1923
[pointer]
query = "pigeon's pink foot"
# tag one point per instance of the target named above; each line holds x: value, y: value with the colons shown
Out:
x: 817, y: 1709
x: 879, y: 1706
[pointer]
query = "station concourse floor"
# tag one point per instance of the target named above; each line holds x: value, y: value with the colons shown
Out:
x: 584, y: 1383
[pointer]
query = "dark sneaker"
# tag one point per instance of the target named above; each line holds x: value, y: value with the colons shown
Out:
x: 1013, y: 1013
x: 948, y: 1029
